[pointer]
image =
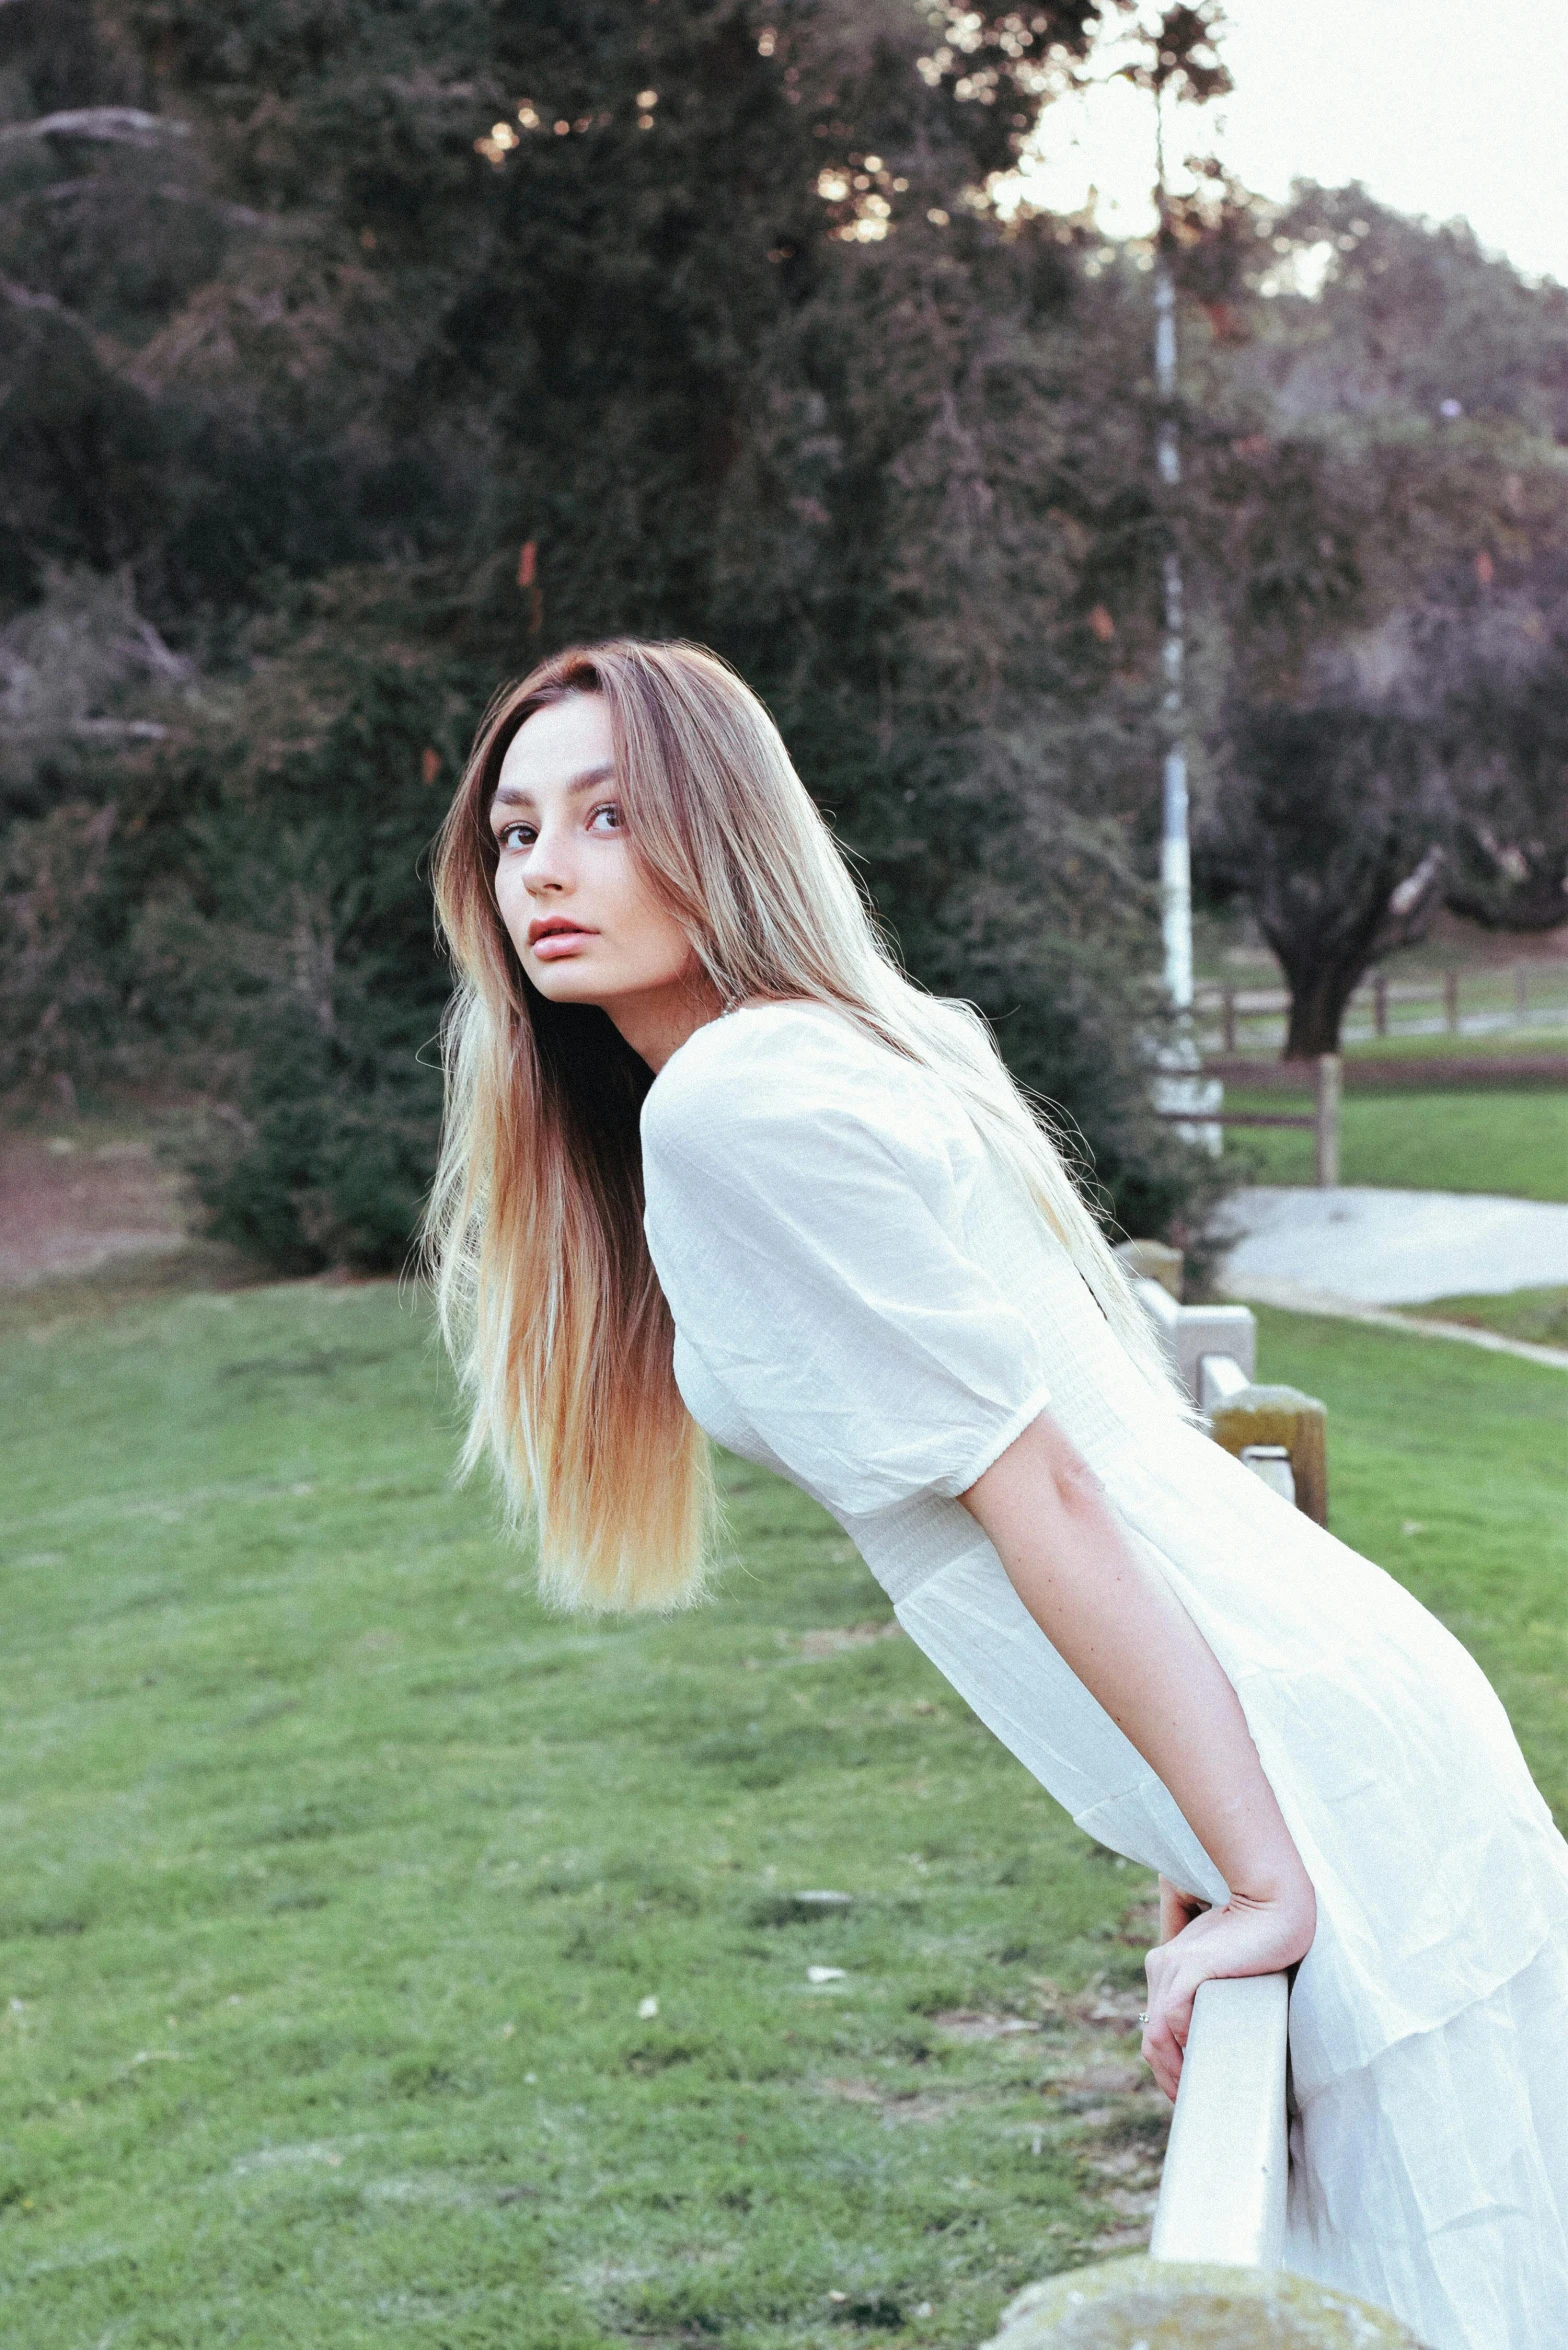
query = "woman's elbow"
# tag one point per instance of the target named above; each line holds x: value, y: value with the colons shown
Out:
x: 1040, y: 1477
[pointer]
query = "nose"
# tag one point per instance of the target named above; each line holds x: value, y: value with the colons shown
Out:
x: 544, y: 868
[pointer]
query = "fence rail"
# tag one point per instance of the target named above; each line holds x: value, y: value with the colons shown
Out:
x: 1222, y: 2190
x: 1518, y: 995
x: 1222, y: 2187
x: 1323, y: 1118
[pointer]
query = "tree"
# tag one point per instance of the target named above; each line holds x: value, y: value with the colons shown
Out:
x: 1350, y: 519
x: 518, y: 328
x: 1334, y: 824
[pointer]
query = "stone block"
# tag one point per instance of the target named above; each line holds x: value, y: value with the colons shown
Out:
x: 1153, y: 1260
x: 1145, y: 2304
x: 1265, y: 1418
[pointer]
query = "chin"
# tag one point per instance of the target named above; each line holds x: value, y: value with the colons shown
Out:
x: 569, y: 982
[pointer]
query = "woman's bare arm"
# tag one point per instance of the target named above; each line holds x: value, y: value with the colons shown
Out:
x: 1125, y: 1634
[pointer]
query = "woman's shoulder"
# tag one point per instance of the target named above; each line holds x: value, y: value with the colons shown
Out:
x: 786, y: 1068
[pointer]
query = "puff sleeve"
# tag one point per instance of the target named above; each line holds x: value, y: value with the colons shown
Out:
x: 805, y: 1218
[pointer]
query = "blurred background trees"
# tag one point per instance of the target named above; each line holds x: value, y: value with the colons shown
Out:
x: 1384, y: 414
x: 357, y: 355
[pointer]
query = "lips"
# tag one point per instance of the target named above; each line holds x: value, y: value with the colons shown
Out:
x: 555, y: 935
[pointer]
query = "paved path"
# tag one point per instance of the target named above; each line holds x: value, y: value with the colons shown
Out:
x: 1394, y: 1248
x: 1358, y: 1252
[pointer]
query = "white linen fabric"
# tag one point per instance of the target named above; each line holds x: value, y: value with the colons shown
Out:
x: 866, y: 1301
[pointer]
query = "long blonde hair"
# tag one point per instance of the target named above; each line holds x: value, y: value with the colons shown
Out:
x: 547, y: 1296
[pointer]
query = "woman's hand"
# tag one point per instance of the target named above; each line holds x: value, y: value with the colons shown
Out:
x: 1246, y: 1937
x: 1178, y: 1909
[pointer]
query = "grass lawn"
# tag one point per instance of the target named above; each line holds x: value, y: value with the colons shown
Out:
x: 1538, y: 1315
x: 1450, y: 1468
x: 1513, y: 1142
x: 340, y: 1878
x: 1500, y: 1044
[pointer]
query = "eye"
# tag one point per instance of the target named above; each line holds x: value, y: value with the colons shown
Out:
x: 610, y: 810
x: 514, y: 835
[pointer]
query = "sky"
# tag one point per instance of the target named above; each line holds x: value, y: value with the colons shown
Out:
x: 1440, y: 107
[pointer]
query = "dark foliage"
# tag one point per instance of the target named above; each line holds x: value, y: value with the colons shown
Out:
x: 367, y: 351
x: 710, y: 326
x: 1506, y: 705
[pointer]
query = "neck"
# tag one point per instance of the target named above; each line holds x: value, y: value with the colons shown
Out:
x: 657, y: 1023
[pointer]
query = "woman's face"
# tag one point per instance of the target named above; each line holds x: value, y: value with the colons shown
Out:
x: 586, y: 924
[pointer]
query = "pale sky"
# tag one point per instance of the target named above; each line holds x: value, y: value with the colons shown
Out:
x: 1441, y: 107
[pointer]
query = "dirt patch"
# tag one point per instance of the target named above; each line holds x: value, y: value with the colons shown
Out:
x: 839, y: 1639
x: 1094, y: 2100
x: 922, y: 2107
x: 962, y: 2023
x: 71, y: 1205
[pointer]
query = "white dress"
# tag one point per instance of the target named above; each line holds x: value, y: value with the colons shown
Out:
x: 865, y: 1302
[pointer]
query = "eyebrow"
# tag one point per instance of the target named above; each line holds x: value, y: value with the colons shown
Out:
x: 511, y: 795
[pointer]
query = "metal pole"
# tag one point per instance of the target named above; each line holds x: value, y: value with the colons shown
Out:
x: 1328, y: 1121
x: 1181, y: 1085
x: 1175, y: 849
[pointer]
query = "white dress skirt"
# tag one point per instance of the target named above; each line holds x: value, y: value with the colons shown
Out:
x: 866, y: 1302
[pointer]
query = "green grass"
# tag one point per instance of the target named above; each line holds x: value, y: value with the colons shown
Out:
x: 336, y: 1872
x: 1503, y: 1044
x: 1512, y: 1142
x: 1450, y: 1468
x: 1537, y: 1315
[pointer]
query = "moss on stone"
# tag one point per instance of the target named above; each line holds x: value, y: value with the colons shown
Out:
x: 1145, y: 2304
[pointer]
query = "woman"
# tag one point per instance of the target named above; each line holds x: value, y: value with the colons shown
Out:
x: 711, y: 1162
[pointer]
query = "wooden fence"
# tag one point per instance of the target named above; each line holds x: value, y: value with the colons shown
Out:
x: 1322, y: 1119
x: 1515, y: 996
